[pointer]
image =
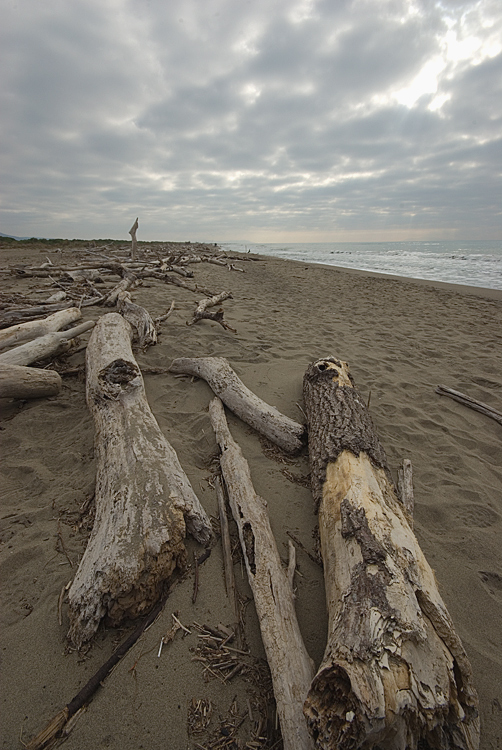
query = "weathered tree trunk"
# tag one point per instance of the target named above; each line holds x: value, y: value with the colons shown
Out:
x: 143, y: 497
x: 46, y: 346
x: 28, y: 382
x: 33, y: 329
x: 290, y: 665
x: 281, y: 430
x: 394, y: 674
x: 139, y: 318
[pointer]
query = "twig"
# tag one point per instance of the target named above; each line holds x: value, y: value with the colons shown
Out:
x: 488, y: 411
x: 55, y: 728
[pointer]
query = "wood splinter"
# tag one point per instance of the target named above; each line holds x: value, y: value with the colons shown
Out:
x: 394, y: 674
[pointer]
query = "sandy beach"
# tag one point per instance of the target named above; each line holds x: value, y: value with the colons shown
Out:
x: 401, y: 339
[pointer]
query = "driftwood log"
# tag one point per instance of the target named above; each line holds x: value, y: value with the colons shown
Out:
x: 266, y: 419
x: 144, y: 500
x: 290, y: 665
x: 28, y: 382
x: 46, y: 346
x: 139, y: 318
x: 33, y: 329
x: 394, y: 674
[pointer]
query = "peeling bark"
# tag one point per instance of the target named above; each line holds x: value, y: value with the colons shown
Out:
x: 394, y: 674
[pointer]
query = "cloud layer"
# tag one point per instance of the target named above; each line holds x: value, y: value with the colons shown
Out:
x: 265, y: 120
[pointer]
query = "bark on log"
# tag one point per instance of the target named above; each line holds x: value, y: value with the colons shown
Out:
x: 35, y: 328
x: 28, y: 382
x: 139, y: 318
x: 281, y: 430
x: 46, y: 346
x: 144, y: 500
x: 290, y: 665
x: 394, y: 674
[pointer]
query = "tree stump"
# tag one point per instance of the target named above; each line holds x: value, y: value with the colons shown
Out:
x: 394, y: 674
x: 144, y: 500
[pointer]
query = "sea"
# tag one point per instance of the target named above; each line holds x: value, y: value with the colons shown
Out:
x: 471, y: 263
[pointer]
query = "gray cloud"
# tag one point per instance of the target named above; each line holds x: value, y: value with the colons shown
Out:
x: 224, y: 120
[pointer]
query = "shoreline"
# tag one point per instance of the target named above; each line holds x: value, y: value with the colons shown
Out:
x: 401, y: 338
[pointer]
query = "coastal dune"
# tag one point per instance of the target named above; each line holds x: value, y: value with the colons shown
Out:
x: 401, y: 338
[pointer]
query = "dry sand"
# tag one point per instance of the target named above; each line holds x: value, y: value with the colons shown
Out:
x: 401, y: 338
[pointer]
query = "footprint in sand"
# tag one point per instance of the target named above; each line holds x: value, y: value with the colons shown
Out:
x: 492, y: 582
x: 477, y: 515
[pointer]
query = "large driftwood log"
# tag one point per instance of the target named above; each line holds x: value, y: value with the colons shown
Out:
x: 290, y: 665
x: 281, y: 430
x: 144, y: 500
x: 22, y: 314
x: 46, y: 346
x: 28, y: 382
x: 394, y: 674
x: 139, y: 318
x: 33, y: 329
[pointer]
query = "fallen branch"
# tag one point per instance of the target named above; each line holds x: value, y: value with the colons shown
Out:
x: 46, y: 346
x: 33, y: 329
x: 488, y: 411
x: 202, y: 314
x: 266, y: 419
x: 290, y: 665
x: 144, y: 500
x: 28, y: 382
x: 394, y: 672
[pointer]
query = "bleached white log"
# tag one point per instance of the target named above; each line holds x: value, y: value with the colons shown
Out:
x: 394, y: 674
x: 22, y: 332
x: 290, y: 665
x: 144, y: 500
x: 28, y: 382
x: 46, y: 346
x: 225, y: 383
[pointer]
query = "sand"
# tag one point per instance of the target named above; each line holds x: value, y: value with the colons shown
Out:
x: 401, y: 338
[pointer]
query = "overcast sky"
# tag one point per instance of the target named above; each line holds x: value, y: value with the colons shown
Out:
x: 258, y: 120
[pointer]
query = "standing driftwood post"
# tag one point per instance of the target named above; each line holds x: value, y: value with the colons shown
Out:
x: 290, y: 665
x: 134, y: 244
x: 394, y: 674
x: 143, y: 497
